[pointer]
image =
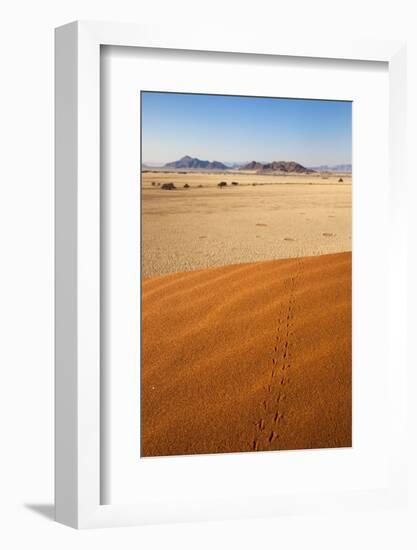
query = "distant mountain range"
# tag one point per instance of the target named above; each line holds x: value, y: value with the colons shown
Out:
x: 333, y: 168
x: 234, y: 165
x: 289, y: 167
x: 191, y: 163
x: 282, y: 166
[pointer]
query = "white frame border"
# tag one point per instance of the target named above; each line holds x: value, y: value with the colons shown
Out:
x: 77, y: 254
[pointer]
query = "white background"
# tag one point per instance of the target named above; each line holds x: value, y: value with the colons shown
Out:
x: 26, y: 299
x: 219, y: 478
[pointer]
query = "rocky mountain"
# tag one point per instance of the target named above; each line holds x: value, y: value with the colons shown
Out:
x: 190, y: 163
x: 289, y: 167
x: 252, y: 166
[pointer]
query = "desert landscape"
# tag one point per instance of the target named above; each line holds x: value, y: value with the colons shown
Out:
x: 263, y: 217
x: 245, y: 307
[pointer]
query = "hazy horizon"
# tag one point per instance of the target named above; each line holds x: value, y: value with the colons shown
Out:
x: 225, y: 128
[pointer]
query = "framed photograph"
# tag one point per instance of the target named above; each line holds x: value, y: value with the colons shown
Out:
x: 229, y: 325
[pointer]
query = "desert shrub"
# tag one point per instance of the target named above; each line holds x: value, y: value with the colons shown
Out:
x: 235, y: 183
x: 222, y: 184
x: 168, y: 186
x: 153, y: 183
x: 340, y: 180
x: 200, y: 185
x: 186, y: 186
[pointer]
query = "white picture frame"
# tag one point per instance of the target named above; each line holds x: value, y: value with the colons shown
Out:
x: 77, y: 241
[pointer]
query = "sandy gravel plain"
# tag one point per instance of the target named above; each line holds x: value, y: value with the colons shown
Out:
x: 279, y: 217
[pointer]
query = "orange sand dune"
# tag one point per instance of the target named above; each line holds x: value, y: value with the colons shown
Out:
x: 247, y: 357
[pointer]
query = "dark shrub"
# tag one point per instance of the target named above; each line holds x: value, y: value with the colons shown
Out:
x: 168, y: 186
x: 235, y: 183
x: 186, y: 186
x: 340, y: 180
x: 222, y: 184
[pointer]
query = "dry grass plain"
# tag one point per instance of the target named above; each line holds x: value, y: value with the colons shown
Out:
x: 279, y: 217
x: 246, y: 313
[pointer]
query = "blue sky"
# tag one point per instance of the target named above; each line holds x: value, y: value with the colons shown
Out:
x: 237, y: 129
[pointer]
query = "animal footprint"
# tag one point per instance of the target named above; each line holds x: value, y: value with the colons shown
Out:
x: 278, y: 417
x: 271, y: 437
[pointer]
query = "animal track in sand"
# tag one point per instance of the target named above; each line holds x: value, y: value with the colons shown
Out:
x: 276, y: 391
x: 279, y: 416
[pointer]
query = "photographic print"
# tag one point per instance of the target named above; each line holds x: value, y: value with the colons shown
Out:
x: 246, y: 266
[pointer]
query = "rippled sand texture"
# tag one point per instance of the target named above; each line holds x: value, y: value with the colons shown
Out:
x: 247, y: 357
x: 279, y: 217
